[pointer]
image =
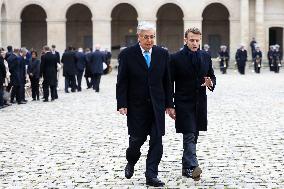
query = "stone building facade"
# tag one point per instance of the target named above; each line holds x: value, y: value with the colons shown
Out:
x: 112, y: 23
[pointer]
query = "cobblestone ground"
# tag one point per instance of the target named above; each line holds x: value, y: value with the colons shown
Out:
x: 79, y: 141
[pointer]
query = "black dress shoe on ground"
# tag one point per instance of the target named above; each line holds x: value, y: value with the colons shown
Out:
x: 45, y: 100
x: 154, y: 182
x: 192, y: 173
x: 21, y: 102
x: 129, y: 170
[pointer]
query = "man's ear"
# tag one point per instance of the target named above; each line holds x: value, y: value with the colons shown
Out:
x: 185, y: 40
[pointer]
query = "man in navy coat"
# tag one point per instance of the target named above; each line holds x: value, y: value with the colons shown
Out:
x: 96, y: 67
x: 80, y: 65
x: 144, y: 93
x: 192, y: 73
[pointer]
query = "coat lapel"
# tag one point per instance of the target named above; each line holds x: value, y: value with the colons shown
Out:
x: 153, y: 58
x: 140, y: 57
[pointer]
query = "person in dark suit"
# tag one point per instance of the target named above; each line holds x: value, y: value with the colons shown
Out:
x: 192, y: 73
x: 224, y: 59
x: 80, y: 65
x: 257, y: 59
x: 16, y: 72
x: 241, y: 58
x: 277, y: 57
x: 88, y: 74
x: 48, y: 70
x: 2, y: 79
x: 96, y: 67
x: 69, y: 69
x: 143, y: 93
x: 270, y: 57
x: 57, y: 55
x: 34, y: 74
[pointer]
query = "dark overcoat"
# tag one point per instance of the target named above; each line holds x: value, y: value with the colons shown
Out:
x: 48, y: 69
x: 190, y: 97
x: 138, y: 86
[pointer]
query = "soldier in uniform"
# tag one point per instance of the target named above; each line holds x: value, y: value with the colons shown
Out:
x: 270, y: 57
x: 241, y: 59
x: 277, y: 57
x: 252, y: 46
x: 206, y: 48
x: 257, y: 59
x: 224, y: 59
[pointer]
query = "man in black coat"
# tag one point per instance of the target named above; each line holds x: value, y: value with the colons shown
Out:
x: 48, y: 70
x: 88, y: 74
x: 15, y: 68
x: 80, y: 65
x: 270, y: 54
x: 241, y: 58
x: 192, y: 72
x: 96, y: 67
x: 69, y: 69
x: 57, y: 55
x: 143, y: 93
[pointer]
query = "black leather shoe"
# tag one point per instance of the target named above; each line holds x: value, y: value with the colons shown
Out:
x: 154, y: 182
x: 129, y: 170
x: 192, y: 173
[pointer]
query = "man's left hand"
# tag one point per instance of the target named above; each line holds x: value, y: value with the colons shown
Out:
x: 208, y: 83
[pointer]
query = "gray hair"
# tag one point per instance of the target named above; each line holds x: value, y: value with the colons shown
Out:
x: 143, y: 26
x: 24, y: 50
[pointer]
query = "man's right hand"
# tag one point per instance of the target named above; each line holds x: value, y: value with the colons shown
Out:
x: 123, y: 111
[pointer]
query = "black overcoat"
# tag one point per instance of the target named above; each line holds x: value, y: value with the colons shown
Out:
x: 137, y: 85
x: 190, y: 97
x: 48, y: 69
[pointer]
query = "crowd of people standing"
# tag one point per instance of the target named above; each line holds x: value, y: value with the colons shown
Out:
x: 20, y: 68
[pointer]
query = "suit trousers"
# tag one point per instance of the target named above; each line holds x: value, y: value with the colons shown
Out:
x: 35, y: 87
x: 70, y: 80
x: 189, y: 159
x: 79, y: 79
x: 155, y: 151
x: 96, y: 80
x: 1, y: 94
x: 46, y: 88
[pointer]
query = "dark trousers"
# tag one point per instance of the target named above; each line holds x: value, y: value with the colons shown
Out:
x: 22, y: 92
x: 16, y: 93
x: 241, y: 69
x: 46, y: 88
x: 70, y: 80
x: 256, y: 68
x: 189, y: 159
x: 89, y: 83
x: 154, y: 155
x: 1, y: 94
x: 35, y: 87
x: 79, y: 79
x: 96, y: 79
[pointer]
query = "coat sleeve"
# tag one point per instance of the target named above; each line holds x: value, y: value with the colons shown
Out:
x: 211, y: 74
x: 168, y: 83
x: 42, y: 66
x: 122, y: 82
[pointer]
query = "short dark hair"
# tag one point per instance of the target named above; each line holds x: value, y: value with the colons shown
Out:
x: 34, y: 52
x: 192, y: 30
x: 53, y: 46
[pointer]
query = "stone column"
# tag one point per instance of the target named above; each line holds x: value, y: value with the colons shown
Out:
x: 245, y: 22
x: 102, y: 32
x: 259, y: 26
x: 14, y: 33
x: 56, y: 34
x: 234, y: 38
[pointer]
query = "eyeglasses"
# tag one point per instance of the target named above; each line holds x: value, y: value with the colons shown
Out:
x: 149, y: 36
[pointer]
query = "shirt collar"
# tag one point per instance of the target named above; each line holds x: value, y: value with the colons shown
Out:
x: 143, y: 51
